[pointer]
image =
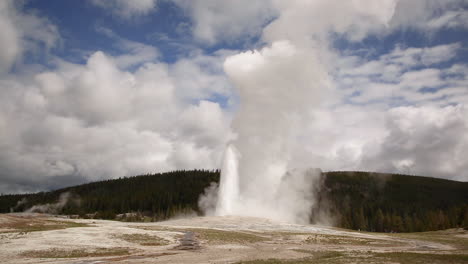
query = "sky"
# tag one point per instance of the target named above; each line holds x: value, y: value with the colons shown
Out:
x: 95, y: 89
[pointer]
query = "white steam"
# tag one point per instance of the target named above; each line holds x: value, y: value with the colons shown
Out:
x: 53, y: 208
x: 278, y: 87
x: 18, y: 204
x: 207, y: 201
x: 281, y: 87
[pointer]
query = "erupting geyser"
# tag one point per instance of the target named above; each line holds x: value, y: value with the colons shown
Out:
x: 229, y: 187
x: 278, y: 87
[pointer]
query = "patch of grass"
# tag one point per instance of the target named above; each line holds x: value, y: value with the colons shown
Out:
x: 334, y: 257
x: 317, y: 258
x: 312, y: 238
x: 213, y: 235
x: 224, y: 236
x: 453, y: 237
x: 159, y: 228
x: 76, y: 253
x: 346, y: 240
x: 45, y: 225
x: 265, y: 261
x: 407, y: 257
x: 144, y: 239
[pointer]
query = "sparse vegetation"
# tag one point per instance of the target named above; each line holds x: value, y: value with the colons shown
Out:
x: 348, y: 240
x: 215, y: 235
x: 144, y: 239
x: 27, y: 225
x: 334, y: 257
x: 76, y: 253
x: 408, y: 257
x: 316, y: 258
x: 223, y: 236
x: 458, y: 238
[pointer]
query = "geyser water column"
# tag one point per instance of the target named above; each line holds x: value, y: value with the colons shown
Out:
x: 229, y: 186
x: 278, y: 86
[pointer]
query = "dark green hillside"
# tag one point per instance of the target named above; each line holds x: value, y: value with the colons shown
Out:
x: 356, y: 200
x: 160, y: 195
x: 393, y: 202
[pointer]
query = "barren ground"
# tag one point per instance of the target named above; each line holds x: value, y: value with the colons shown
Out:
x: 34, y: 238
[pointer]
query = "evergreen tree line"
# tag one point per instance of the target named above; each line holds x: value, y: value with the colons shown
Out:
x: 392, y: 202
x: 354, y: 200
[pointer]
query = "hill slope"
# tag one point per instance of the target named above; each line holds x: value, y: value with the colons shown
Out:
x: 356, y: 200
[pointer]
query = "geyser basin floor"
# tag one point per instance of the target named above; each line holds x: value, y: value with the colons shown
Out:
x: 226, y: 239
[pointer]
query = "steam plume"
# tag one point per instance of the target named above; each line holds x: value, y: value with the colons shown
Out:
x: 53, y: 208
x: 280, y: 86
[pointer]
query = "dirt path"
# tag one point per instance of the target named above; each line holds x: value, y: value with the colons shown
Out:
x: 27, y: 238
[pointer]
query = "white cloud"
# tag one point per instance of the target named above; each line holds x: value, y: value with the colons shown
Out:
x: 411, y: 57
x: 22, y: 32
x: 425, y: 140
x: 303, y: 20
x: 132, y: 53
x: 127, y: 9
x: 409, y: 75
x: 217, y: 22
x: 199, y: 76
x: 397, y: 61
x: 96, y: 121
x: 204, y: 124
x: 227, y: 21
x: 9, y: 36
x: 428, y: 141
x: 430, y: 15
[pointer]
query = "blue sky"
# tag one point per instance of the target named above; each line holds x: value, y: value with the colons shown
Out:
x: 159, y: 85
x: 170, y: 23
x: 79, y: 23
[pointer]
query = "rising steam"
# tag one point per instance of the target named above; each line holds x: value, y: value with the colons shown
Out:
x: 54, y: 208
x: 280, y: 87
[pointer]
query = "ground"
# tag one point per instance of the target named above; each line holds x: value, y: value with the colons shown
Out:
x: 35, y: 238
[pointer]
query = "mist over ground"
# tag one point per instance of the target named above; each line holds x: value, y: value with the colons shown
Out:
x: 130, y: 87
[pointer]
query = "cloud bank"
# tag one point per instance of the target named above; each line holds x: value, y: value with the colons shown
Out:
x: 128, y: 111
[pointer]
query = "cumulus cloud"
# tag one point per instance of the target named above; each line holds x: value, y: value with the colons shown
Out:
x: 23, y: 32
x: 96, y: 121
x: 303, y: 20
x: 405, y: 75
x: 199, y: 76
x: 132, y: 53
x: 125, y: 112
x: 227, y: 21
x: 417, y: 140
x: 423, y: 140
x: 127, y: 9
x: 430, y: 15
x: 80, y: 122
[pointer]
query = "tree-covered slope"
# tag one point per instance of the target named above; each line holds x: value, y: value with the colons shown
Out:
x: 393, y: 202
x: 160, y: 195
x: 357, y: 200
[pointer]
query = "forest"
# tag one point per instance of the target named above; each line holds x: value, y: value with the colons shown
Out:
x: 364, y: 201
